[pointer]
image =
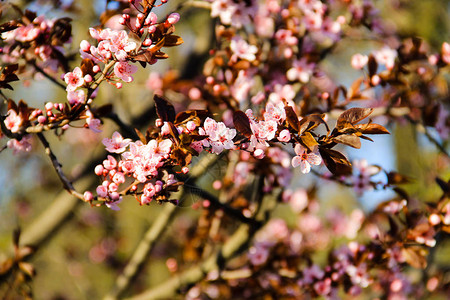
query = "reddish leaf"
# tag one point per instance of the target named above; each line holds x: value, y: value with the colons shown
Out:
x: 292, y: 118
x: 336, y: 162
x: 242, y: 123
x: 349, y: 140
x: 164, y: 109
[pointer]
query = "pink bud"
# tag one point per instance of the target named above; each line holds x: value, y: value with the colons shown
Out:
x: 87, y: 78
x: 195, y: 93
x: 375, y: 80
x: 159, y: 122
x: 147, y: 42
x: 217, y: 185
x: 185, y: 170
x: 85, y: 46
x: 210, y: 80
x: 191, y: 125
x: 49, y: 106
x: 119, y: 85
x: 88, y: 196
x: 434, y: 219
x: 259, y: 154
x: 114, y: 196
x: 41, y: 119
x: 173, y: 18
x: 140, y: 16
x: 99, y: 170
x: 96, y: 68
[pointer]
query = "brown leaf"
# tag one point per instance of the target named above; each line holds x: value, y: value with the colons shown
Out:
x: 308, y: 141
x: 312, y: 121
x: 242, y: 123
x: 161, y: 55
x: 415, y: 256
x: 372, y: 65
x: 292, y: 118
x: 27, y: 268
x: 353, y: 116
x: 348, y: 139
x: 371, y: 128
x: 174, y: 133
x: 397, y: 178
x: 353, y: 91
x: 336, y: 162
x: 141, y: 136
x: 173, y: 40
x: 87, y: 66
x: 164, y: 109
x: 183, y: 116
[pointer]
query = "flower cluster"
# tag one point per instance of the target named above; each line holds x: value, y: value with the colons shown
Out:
x: 141, y: 162
x: 37, y: 38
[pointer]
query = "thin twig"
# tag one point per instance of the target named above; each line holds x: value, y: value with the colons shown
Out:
x: 58, y: 168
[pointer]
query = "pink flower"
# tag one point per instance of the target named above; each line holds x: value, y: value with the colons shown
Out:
x: 74, y: 79
x: 75, y: 97
x: 359, y: 61
x: 258, y: 254
x: 301, y: 70
x: 13, y: 121
x: 120, y: 44
x: 123, y: 70
x: 24, y: 145
x: 94, y: 124
x: 305, y: 159
x: 102, y: 191
x: 117, y: 144
x: 241, y: 49
x: 113, y: 204
x: 386, y: 56
x: 220, y: 137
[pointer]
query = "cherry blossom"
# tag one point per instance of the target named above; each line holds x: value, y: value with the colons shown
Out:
x: 359, y: 61
x: 241, y: 49
x: 123, y: 70
x: 301, y: 70
x: 13, y: 121
x: 386, y: 56
x: 305, y: 159
x: 117, y: 144
x: 219, y: 136
x: 74, y: 79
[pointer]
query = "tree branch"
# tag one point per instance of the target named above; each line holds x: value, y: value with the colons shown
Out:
x: 58, y: 168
